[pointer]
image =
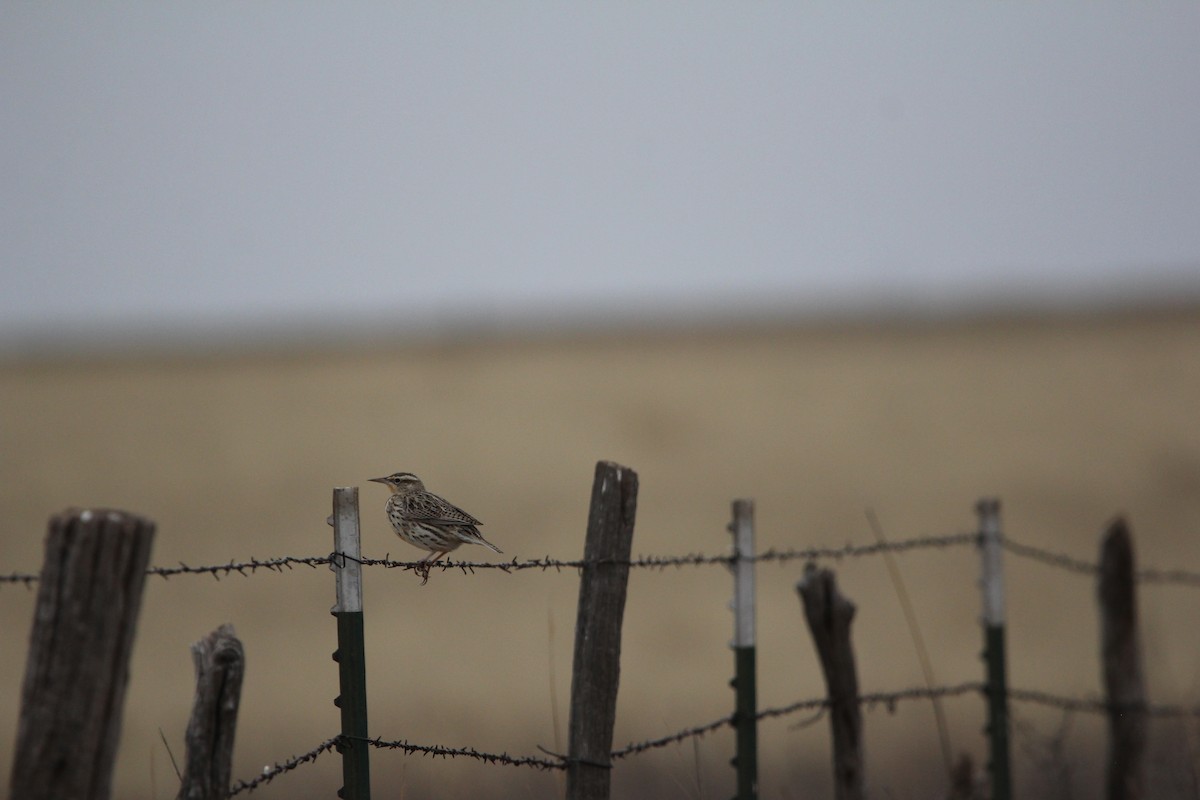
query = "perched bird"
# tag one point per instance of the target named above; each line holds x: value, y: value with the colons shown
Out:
x: 427, y: 521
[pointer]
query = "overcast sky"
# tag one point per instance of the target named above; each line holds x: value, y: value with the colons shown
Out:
x: 230, y: 164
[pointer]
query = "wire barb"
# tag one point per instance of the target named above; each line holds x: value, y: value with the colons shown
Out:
x: 442, y: 751
x: 271, y: 773
x: 282, y: 563
x: 1065, y: 562
x: 888, y: 700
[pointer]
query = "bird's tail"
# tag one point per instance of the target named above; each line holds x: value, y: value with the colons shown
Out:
x: 478, y: 539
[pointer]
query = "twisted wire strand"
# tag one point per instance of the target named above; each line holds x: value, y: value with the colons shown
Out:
x: 1096, y: 705
x: 271, y: 773
x: 243, y: 568
x: 443, y: 751
x: 694, y: 559
x: 1063, y: 561
x: 1179, y: 577
x: 284, y: 563
x: 674, y: 738
x: 887, y: 699
x: 561, y: 761
x: 870, y: 700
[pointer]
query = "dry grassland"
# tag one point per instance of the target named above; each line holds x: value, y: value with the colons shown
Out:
x: 1068, y: 420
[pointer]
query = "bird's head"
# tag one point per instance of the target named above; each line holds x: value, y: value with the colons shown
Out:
x: 402, y: 482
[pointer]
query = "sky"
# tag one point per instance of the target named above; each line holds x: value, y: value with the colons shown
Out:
x: 178, y: 169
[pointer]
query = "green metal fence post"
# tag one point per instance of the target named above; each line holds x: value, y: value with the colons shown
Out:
x: 745, y: 718
x: 991, y: 544
x: 351, y: 653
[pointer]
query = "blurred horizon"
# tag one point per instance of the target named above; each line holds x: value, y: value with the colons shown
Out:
x: 204, y: 171
x: 296, y: 334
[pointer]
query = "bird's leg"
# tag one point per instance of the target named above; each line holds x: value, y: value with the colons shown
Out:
x: 426, y: 563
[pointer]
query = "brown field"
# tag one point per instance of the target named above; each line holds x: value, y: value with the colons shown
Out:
x: 1068, y: 420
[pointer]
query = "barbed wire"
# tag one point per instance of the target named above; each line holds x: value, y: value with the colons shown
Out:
x: 686, y: 560
x: 887, y: 699
x: 1071, y: 564
x: 561, y: 761
x: 243, y: 568
x: 464, y: 752
x: 874, y: 548
x: 674, y: 738
x: 870, y: 700
x: 271, y: 773
x: 1096, y: 705
x: 286, y: 563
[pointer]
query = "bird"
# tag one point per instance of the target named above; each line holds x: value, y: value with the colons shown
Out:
x: 427, y: 521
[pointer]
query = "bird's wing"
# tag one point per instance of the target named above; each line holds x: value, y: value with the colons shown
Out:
x: 431, y: 507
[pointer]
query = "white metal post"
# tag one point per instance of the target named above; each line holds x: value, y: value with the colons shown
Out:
x: 744, y: 682
x: 992, y: 545
x: 346, y: 563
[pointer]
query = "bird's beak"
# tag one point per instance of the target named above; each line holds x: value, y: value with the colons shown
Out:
x: 378, y: 480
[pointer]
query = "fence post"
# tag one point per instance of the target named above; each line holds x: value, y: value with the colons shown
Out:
x: 350, y: 653
x: 220, y: 665
x: 1121, y: 653
x: 597, y: 663
x: 73, y: 694
x: 745, y: 718
x: 829, y: 614
x: 992, y: 547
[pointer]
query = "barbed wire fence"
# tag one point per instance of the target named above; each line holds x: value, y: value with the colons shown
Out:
x: 887, y: 699
x: 283, y: 564
x: 553, y: 761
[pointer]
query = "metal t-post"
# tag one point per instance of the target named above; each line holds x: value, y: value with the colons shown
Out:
x: 350, y: 655
x: 991, y: 544
x: 745, y: 718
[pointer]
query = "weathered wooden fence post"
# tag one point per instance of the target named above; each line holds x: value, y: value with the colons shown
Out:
x: 351, y: 652
x: 1124, y: 689
x: 73, y: 696
x: 991, y: 544
x: 829, y: 615
x: 220, y: 666
x: 745, y: 719
x: 597, y: 663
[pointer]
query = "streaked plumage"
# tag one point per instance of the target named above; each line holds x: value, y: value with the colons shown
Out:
x: 427, y: 521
